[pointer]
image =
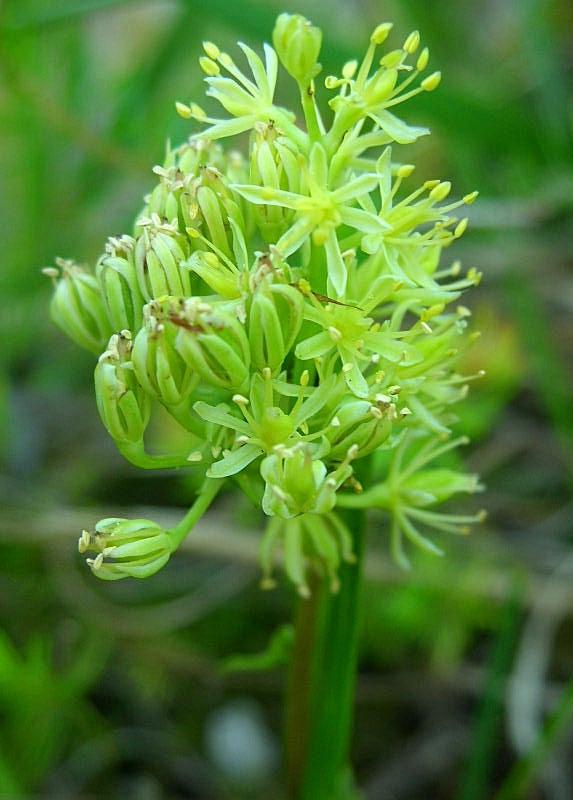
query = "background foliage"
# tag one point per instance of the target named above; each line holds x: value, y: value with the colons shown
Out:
x: 466, y: 663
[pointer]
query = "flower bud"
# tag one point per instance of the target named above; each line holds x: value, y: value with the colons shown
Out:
x: 158, y: 366
x: 126, y: 548
x: 360, y: 423
x: 123, y: 406
x: 159, y: 253
x: 275, y: 318
x: 77, y: 306
x: 117, y: 277
x: 173, y: 197
x: 297, y: 483
x: 219, y: 214
x: 274, y: 164
x: 213, y: 343
x: 297, y: 42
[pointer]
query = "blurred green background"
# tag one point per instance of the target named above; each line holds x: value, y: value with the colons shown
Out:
x: 466, y: 688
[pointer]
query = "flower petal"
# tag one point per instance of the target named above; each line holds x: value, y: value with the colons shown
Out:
x: 236, y: 461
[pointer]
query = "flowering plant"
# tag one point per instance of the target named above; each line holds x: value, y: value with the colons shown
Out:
x: 288, y: 308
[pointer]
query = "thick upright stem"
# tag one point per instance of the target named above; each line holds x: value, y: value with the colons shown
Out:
x: 322, y: 682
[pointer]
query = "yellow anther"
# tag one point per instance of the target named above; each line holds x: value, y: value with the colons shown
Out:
x: 209, y: 66
x: 405, y: 170
x: 431, y: 82
x: 412, y: 42
x: 461, y: 228
x: 441, y: 191
x: 470, y: 198
x: 183, y: 110
x: 380, y: 32
x: 349, y: 69
x: 423, y: 59
x: 212, y: 50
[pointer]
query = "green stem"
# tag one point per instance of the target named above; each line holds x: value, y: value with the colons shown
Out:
x: 322, y: 682
x: 310, y: 112
x: 136, y: 455
x: 300, y: 685
x: 206, y: 495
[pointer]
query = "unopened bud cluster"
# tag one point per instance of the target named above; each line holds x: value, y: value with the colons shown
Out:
x: 287, y: 306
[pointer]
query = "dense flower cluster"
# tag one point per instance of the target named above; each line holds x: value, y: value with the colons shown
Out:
x: 288, y: 309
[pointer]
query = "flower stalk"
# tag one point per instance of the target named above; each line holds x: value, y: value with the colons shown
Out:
x: 322, y: 681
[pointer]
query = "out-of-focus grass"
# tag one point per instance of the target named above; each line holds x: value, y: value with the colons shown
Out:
x: 86, y: 103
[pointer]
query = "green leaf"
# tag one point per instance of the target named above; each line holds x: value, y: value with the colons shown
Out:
x: 276, y: 654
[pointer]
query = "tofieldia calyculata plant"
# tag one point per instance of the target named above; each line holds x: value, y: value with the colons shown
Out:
x: 282, y: 297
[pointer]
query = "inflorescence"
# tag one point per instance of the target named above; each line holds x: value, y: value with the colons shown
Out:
x: 287, y: 307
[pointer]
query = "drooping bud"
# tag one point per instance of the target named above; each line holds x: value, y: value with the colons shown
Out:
x: 173, y: 198
x: 297, y: 42
x: 213, y: 342
x: 158, y: 366
x: 275, y: 318
x: 219, y: 219
x: 77, y: 306
x: 117, y: 277
x: 274, y: 164
x: 297, y: 483
x: 360, y: 423
x: 159, y: 254
x: 126, y: 548
x: 123, y: 406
